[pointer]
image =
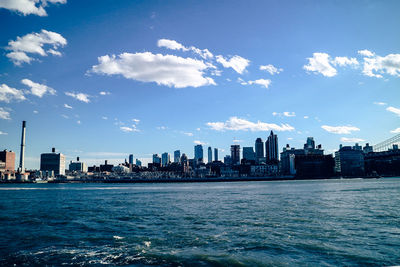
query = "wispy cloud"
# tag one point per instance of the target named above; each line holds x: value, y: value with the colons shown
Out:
x: 127, y: 129
x: 397, y: 130
x: 340, y: 129
x: 3, y: 133
x: 394, y: 110
x: 67, y: 106
x: 351, y: 140
x: 197, y: 142
x: 380, y: 103
x: 238, y: 124
x: 4, y: 114
x: 79, y: 96
x: 271, y: 69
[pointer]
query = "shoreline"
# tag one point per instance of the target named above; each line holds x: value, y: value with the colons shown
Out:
x: 188, y: 180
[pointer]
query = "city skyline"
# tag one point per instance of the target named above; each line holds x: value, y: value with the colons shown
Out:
x: 288, y: 73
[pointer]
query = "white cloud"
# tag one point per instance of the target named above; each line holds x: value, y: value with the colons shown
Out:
x: 380, y: 103
x: 4, y: 114
x: 79, y: 96
x: 275, y: 113
x: 64, y: 116
x: 161, y: 128
x: 340, y: 129
x: 238, y: 63
x: 375, y: 66
x: 171, y: 44
x: 305, y: 117
x: 27, y: 7
x: 136, y: 121
x: 38, y: 89
x: 351, y: 140
x: 344, y: 61
x: 289, y: 114
x: 197, y: 142
x: 128, y: 129
x: 9, y: 94
x: 174, y: 45
x: 78, y: 122
x: 238, y: 124
x: 271, y: 69
x: 104, y: 93
x: 3, y: 133
x: 397, y: 130
x: 394, y: 110
x: 67, y: 106
x: 320, y: 63
x: 33, y: 43
x: 263, y: 82
x: 35, y: 112
x: 187, y: 133
x: 366, y: 53
x: 166, y: 70
x: 104, y: 118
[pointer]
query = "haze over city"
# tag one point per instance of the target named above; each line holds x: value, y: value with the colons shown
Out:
x: 102, y: 80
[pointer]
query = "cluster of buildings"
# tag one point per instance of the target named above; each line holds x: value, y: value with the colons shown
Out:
x: 261, y: 160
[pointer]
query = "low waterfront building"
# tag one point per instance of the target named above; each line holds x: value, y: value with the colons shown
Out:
x: 77, y: 166
x: 314, y: 166
x: 263, y: 170
x: 53, y: 162
x: 349, y: 161
x: 385, y: 163
x: 106, y: 167
x: 8, y: 160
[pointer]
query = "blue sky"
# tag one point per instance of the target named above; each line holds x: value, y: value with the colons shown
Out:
x: 103, y: 79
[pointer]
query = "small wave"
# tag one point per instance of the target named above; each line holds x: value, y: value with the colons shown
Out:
x: 116, y: 237
x: 147, y: 243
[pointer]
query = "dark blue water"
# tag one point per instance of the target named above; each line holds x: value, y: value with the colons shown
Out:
x: 328, y: 223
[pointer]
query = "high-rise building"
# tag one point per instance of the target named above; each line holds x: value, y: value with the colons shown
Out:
x: 248, y: 153
x: 131, y: 159
x: 156, y: 159
x: 216, y: 154
x: 235, y: 154
x: 209, y: 154
x: 228, y: 160
x: 165, y: 159
x: 198, y: 153
x: 138, y: 163
x: 177, y: 156
x: 259, y: 146
x: 271, y: 148
x: 53, y: 162
x: 310, y: 144
x: 8, y: 157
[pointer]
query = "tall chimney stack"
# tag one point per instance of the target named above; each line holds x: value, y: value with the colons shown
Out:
x: 22, y: 154
x: 53, y: 150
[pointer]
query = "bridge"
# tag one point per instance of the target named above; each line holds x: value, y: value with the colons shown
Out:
x: 387, y: 144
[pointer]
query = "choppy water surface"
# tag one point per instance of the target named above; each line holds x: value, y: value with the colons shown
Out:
x: 331, y: 223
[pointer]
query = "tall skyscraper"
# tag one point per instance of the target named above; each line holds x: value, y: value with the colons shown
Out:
x: 209, y: 154
x: 156, y: 159
x: 271, y: 148
x: 235, y: 154
x: 248, y: 153
x: 138, y: 162
x: 198, y: 153
x: 177, y: 156
x: 259, y: 146
x: 131, y: 159
x: 165, y: 159
x: 216, y: 154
